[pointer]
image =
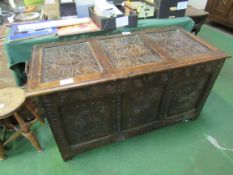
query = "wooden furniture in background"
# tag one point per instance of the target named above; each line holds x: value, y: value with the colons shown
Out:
x: 221, y: 11
x: 105, y: 89
x: 198, y: 16
x: 11, y: 100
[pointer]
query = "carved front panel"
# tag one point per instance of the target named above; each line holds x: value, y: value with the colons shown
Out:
x: 128, y: 51
x: 67, y: 61
x: 141, y: 107
x: 187, y: 93
x: 177, y: 44
x: 87, y: 120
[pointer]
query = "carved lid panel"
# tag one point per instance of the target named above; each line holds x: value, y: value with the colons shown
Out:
x: 128, y: 51
x: 177, y: 44
x: 106, y: 58
x: 67, y: 61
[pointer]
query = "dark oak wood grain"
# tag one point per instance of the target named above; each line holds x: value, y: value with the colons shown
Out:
x: 123, y: 85
x: 221, y: 11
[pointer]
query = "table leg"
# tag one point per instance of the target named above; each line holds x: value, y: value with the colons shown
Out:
x: 2, y: 153
x: 27, y: 132
x: 30, y: 108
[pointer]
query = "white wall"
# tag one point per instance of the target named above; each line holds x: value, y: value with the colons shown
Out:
x: 200, y: 4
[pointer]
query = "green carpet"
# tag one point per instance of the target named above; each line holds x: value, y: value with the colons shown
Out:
x: 181, y: 149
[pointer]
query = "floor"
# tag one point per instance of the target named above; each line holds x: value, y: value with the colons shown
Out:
x: 220, y: 27
x: 201, y: 147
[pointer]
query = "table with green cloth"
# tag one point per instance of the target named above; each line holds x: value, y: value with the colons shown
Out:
x: 19, y: 52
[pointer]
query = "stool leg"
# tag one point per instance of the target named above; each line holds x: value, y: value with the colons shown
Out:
x: 27, y: 132
x: 2, y: 153
x: 29, y: 107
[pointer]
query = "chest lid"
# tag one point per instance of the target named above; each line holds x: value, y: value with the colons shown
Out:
x: 63, y: 65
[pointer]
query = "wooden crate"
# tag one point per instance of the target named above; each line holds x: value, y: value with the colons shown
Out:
x: 102, y: 90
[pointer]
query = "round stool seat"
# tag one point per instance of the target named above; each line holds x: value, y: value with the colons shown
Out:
x: 10, y: 100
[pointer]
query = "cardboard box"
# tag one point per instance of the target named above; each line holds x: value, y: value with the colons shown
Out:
x: 83, y: 5
x: 114, y: 22
x: 51, y: 10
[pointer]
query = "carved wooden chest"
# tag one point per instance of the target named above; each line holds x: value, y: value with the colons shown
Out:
x: 102, y: 90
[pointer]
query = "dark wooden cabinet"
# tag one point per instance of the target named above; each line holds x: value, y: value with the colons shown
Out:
x: 105, y: 89
x: 221, y: 11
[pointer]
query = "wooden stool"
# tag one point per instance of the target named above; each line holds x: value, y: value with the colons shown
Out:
x: 11, y: 99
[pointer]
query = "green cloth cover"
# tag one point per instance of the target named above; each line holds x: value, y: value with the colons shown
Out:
x: 20, y: 51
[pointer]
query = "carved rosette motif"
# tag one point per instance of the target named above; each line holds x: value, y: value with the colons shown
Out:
x: 67, y: 61
x: 128, y: 51
x: 177, y: 44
